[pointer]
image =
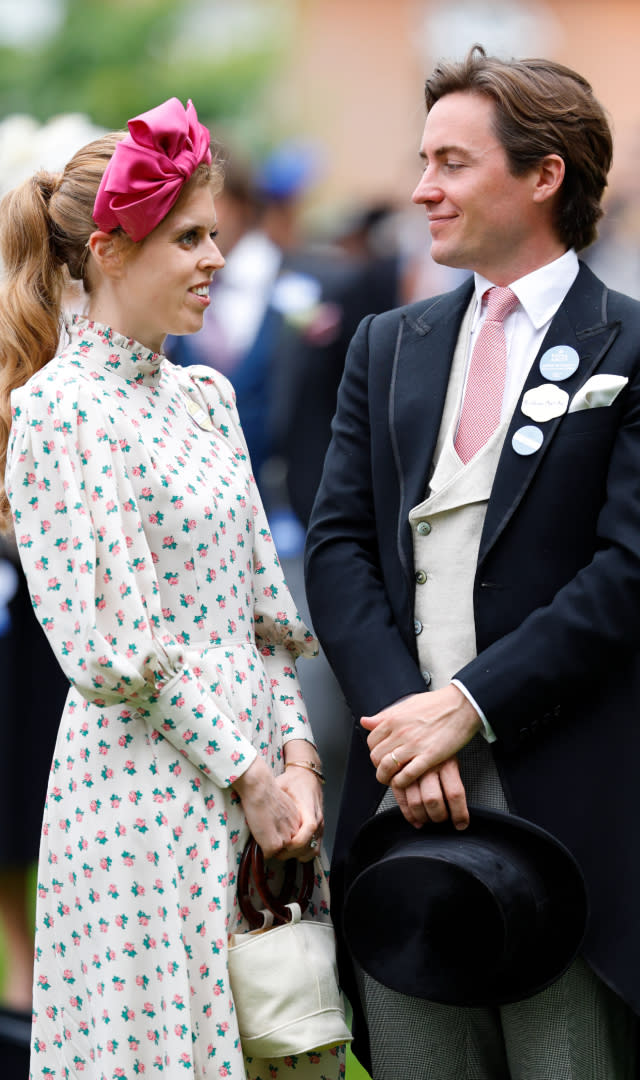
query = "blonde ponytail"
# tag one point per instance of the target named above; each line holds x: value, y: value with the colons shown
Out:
x: 45, y: 225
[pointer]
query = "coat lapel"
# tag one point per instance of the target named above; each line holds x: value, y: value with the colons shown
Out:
x: 580, y: 322
x: 420, y: 376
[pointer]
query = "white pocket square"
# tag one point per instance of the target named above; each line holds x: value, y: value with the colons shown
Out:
x: 599, y: 390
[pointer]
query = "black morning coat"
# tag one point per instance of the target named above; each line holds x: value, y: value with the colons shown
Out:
x: 556, y: 596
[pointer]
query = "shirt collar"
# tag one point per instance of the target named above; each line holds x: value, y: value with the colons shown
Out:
x: 542, y: 291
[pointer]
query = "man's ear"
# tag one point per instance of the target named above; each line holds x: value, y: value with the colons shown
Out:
x: 107, y: 252
x: 550, y: 174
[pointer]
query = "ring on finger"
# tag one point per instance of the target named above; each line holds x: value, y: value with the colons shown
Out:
x: 394, y: 758
x: 313, y: 843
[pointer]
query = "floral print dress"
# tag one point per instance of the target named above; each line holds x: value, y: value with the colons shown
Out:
x: 152, y: 570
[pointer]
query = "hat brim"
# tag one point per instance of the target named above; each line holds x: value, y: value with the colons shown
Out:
x: 484, y: 916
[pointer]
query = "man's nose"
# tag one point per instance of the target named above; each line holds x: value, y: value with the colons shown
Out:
x: 427, y: 190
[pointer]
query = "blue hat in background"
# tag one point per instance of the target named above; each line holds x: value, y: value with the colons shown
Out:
x: 289, y: 170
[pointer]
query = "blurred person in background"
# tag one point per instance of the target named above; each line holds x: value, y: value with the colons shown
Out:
x: 353, y: 277
x: 615, y: 256
x: 33, y: 693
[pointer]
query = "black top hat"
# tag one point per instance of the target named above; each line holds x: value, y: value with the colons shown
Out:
x: 484, y: 916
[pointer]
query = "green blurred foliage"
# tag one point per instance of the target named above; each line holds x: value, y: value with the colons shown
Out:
x: 113, y: 59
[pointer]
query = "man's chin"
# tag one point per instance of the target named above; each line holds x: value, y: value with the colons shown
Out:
x: 445, y: 256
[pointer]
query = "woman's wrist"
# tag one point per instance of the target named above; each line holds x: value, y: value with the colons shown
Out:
x: 252, y: 777
x: 310, y: 766
x: 301, y: 750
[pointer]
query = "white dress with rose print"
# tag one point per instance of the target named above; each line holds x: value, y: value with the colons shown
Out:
x: 152, y: 570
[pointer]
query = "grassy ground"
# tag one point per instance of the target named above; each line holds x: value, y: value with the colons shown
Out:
x: 354, y: 1069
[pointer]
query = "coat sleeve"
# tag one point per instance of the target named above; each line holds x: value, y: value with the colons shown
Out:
x: 346, y: 591
x: 92, y: 580
x: 281, y: 635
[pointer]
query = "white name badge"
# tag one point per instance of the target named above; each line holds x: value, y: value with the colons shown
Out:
x: 198, y: 415
x: 545, y: 402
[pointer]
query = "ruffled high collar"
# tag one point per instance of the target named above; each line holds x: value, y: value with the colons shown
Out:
x: 117, y: 353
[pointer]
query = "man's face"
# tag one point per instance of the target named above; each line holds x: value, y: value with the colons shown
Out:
x: 481, y: 217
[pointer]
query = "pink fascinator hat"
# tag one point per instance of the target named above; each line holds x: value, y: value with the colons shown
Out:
x: 148, y: 168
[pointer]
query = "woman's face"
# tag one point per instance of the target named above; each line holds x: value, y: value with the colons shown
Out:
x: 163, y: 284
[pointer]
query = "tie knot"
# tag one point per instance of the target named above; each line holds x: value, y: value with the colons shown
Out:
x: 500, y: 303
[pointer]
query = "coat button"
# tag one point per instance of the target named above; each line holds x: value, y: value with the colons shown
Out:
x: 426, y: 675
x: 417, y: 626
x: 424, y: 528
x: 421, y: 577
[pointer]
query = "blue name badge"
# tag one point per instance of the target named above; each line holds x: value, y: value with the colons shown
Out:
x: 559, y: 363
x: 527, y: 440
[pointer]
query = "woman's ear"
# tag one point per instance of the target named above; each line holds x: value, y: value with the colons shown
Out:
x: 107, y: 252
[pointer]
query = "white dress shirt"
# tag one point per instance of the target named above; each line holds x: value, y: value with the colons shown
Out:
x: 540, y: 294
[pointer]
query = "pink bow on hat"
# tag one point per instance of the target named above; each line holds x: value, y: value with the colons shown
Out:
x: 148, y: 168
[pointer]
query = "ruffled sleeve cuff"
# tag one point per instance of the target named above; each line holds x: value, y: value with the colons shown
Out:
x: 191, y: 720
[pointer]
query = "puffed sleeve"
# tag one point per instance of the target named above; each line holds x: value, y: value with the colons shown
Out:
x: 92, y: 579
x: 281, y: 635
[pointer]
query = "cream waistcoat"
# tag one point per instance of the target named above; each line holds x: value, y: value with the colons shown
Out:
x: 446, y: 530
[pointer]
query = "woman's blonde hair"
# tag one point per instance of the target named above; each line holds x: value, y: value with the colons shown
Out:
x: 45, y: 226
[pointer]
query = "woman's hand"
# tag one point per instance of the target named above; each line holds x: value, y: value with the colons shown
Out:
x: 273, y: 816
x: 306, y: 791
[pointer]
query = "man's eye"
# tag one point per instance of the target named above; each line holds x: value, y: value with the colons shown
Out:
x: 453, y: 166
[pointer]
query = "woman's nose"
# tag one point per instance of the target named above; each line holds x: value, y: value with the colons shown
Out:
x: 213, y: 256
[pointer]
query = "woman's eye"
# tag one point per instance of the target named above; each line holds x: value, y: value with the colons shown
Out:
x: 213, y: 235
x: 188, y: 238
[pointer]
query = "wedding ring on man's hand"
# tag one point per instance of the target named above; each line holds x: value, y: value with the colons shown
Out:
x: 394, y: 758
x: 313, y: 843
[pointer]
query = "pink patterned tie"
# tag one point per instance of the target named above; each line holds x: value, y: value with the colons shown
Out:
x: 482, y: 403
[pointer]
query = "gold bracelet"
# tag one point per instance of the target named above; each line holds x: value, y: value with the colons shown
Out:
x: 310, y: 765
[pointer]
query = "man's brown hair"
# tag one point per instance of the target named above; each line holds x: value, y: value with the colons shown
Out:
x: 541, y: 108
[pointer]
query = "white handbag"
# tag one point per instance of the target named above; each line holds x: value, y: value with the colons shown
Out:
x: 283, y: 974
